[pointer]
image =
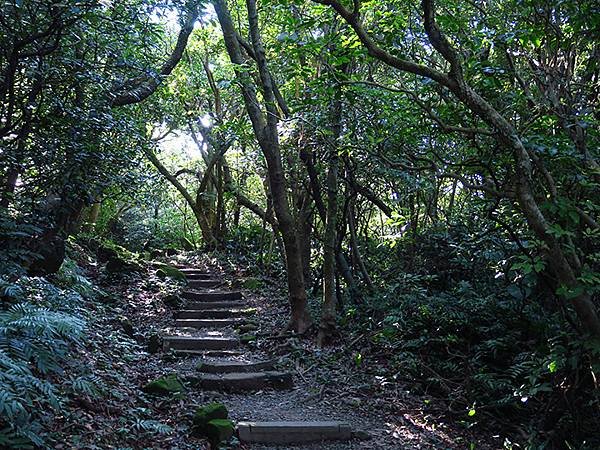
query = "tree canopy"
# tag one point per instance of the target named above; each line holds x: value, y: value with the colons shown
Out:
x: 422, y: 175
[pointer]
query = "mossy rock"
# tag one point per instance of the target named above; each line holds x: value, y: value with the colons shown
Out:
x: 118, y: 259
x: 210, y: 421
x: 219, y: 430
x: 119, y: 265
x: 247, y: 327
x: 252, y: 284
x: 206, y: 413
x: 248, y: 338
x: 109, y: 250
x: 154, y: 343
x: 165, y: 271
x: 164, y: 385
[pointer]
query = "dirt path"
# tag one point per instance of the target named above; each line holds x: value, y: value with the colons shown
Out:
x: 327, y: 384
x: 381, y: 416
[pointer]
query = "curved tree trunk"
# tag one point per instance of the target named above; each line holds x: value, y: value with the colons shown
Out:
x: 266, y: 132
x: 561, y: 256
x: 207, y: 236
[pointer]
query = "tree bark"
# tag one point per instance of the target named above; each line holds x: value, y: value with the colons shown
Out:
x: 356, y: 250
x: 266, y: 132
x: 561, y: 258
x: 340, y: 259
x: 127, y: 95
x: 327, y: 326
x: 207, y: 236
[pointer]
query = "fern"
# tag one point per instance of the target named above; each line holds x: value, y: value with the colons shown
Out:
x: 33, y: 340
x: 10, y: 290
x: 152, y: 426
x: 86, y: 385
x: 70, y: 276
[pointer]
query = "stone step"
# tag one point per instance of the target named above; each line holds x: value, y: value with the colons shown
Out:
x: 234, y: 382
x: 202, y: 284
x: 199, y: 343
x: 199, y: 276
x: 213, y: 305
x: 211, y: 353
x: 212, y: 296
x: 208, y: 323
x: 232, y: 366
x: 191, y: 270
x: 292, y: 432
x: 214, y: 313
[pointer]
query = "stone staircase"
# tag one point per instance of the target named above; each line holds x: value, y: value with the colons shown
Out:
x: 206, y: 328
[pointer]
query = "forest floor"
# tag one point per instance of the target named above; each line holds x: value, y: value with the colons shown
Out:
x: 329, y: 383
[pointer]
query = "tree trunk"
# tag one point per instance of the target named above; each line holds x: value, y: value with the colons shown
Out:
x: 356, y: 250
x: 342, y: 263
x: 266, y: 132
x: 305, y: 225
x: 207, y: 236
x: 92, y: 217
x: 327, y: 326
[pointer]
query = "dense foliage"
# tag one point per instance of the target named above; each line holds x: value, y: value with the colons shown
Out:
x: 426, y: 172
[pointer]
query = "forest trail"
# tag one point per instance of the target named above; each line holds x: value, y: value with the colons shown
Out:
x: 273, y: 402
x: 209, y: 328
x: 410, y: 188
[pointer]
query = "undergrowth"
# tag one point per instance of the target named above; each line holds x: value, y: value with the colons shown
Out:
x: 40, y: 323
x: 468, y: 319
x: 484, y: 337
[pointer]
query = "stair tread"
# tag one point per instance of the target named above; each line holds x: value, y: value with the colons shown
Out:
x: 198, y: 276
x: 199, y: 338
x: 245, y: 381
x: 211, y: 295
x: 213, y: 305
x: 199, y: 343
x: 222, y: 313
x: 231, y: 366
x: 203, y: 283
x: 287, y: 432
x: 217, y: 319
x: 211, y: 353
x: 198, y: 323
x: 242, y: 375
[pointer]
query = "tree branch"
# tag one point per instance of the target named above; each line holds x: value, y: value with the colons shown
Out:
x: 148, y: 86
x: 353, y: 19
x: 432, y: 115
x: 439, y: 41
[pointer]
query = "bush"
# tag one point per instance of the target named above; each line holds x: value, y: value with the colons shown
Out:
x: 40, y: 324
x: 33, y: 343
x: 485, y: 351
